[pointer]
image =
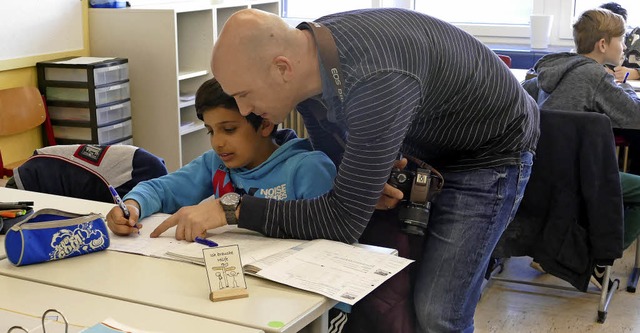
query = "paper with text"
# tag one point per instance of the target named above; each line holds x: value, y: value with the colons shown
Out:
x: 253, y: 246
x: 339, y: 271
x: 143, y: 243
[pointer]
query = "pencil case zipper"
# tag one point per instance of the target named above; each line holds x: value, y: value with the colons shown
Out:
x: 72, y: 220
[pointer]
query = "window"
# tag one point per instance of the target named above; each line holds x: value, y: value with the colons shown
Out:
x: 500, y: 12
x: 310, y: 9
x: 632, y: 7
x: 477, y: 17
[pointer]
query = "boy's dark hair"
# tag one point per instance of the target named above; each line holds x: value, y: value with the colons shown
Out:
x: 596, y: 24
x: 616, y: 8
x: 210, y: 95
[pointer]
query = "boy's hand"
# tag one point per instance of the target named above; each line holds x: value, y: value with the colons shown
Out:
x: 390, y: 195
x: 194, y: 221
x: 119, y: 225
x: 620, y: 71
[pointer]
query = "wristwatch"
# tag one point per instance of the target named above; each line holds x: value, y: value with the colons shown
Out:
x: 230, y: 202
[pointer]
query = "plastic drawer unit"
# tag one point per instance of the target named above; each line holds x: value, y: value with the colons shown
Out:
x: 88, y: 99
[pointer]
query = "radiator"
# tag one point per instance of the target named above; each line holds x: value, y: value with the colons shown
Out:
x: 294, y: 122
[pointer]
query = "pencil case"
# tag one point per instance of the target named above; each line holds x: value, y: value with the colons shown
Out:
x: 7, y: 223
x: 51, y: 234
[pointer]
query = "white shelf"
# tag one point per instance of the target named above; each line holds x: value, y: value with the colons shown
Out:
x: 191, y: 127
x: 189, y: 74
x: 169, y: 51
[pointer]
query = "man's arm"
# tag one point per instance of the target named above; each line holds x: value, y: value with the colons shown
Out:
x: 377, y: 113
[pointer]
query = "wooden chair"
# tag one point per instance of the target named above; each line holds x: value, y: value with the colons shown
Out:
x: 21, y: 109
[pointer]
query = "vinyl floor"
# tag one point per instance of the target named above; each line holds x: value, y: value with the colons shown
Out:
x: 512, y: 307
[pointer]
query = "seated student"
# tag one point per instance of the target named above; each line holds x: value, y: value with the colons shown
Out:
x: 579, y: 82
x: 631, y: 62
x: 249, y: 156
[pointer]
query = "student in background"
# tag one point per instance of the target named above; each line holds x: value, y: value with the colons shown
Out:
x: 627, y: 66
x: 579, y: 82
x: 248, y: 157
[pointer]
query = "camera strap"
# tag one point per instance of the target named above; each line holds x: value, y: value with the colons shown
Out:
x: 328, y: 52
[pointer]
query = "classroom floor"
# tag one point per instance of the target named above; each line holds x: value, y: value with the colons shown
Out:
x: 511, y: 307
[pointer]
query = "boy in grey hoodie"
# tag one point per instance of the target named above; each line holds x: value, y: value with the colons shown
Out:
x: 580, y: 82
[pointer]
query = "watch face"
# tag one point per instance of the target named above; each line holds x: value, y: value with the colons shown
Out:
x: 230, y: 199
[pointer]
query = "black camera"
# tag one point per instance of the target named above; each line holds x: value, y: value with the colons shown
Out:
x: 418, y: 188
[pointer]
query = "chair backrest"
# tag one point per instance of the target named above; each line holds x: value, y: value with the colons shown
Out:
x: 571, y: 212
x: 21, y: 109
x: 85, y: 171
x: 506, y: 59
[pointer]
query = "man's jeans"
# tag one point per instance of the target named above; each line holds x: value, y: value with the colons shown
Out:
x: 467, y: 220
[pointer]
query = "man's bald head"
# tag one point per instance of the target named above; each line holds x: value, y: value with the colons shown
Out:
x: 254, y: 36
x: 265, y: 64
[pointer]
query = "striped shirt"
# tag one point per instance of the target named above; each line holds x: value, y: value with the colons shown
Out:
x: 412, y: 83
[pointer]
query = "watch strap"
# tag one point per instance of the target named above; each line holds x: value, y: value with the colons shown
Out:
x: 230, y: 214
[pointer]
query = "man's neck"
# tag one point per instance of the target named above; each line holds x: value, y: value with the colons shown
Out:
x: 309, y: 67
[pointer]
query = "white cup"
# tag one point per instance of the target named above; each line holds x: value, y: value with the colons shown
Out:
x: 540, y: 31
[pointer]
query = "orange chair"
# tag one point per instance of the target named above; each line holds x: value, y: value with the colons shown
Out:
x: 506, y: 59
x: 21, y: 109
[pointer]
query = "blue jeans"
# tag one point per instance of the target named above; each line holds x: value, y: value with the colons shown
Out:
x: 467, y: 220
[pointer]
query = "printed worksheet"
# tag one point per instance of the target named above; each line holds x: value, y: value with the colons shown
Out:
x: 143, y: 243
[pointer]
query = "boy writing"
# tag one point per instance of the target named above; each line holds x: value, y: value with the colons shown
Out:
x: 249, y: 156
x: 580, y: 82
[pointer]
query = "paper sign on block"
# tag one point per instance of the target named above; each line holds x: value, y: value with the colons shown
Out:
x: 224, y: 271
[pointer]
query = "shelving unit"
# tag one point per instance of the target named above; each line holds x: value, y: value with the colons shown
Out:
x: 169, y: 51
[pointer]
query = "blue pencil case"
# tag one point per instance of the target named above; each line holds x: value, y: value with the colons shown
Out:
x: 51, y: 234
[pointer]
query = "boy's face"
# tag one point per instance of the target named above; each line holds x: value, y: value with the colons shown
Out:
x: 233, y: 138
x: 614, y: 53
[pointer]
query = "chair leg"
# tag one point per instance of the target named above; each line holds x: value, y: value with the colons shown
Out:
x: 625, y: 159
x: 632, y: 283
x: 606, y: 295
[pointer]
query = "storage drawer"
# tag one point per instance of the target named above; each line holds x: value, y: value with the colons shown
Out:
x: 101, y: 75
x: 82, y: 71
x: 101, y: 135
x: 102, y: 95
x: 103, y: 115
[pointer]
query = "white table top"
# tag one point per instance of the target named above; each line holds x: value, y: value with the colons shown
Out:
x: 165, y: 284
x: 177, y: 286
x: 25, y: 299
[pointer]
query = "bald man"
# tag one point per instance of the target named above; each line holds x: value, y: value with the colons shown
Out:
x: 406, y: 83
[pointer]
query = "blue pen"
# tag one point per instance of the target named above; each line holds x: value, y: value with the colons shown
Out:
x: 119, y: 201
x: 625, y: 78
x: 206, y: 242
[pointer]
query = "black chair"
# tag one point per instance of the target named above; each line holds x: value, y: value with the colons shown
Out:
x: 571, y: 215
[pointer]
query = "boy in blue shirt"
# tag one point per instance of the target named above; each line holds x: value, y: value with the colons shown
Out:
x: 249, y: 156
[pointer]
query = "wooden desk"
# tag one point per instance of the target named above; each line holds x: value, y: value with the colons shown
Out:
x: 166, y: 284
x: 520, y: 74
x: 83, y: 310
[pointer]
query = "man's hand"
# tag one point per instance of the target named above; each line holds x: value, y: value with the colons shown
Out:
x: 194, y: 221
x: 119, y: 225
x: 390, y: 195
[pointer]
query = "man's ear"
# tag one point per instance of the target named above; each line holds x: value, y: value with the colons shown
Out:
x: 283, y: 67
x: 266, y: 128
